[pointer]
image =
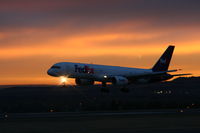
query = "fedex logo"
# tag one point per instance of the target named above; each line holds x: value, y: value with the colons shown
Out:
x: 85, y: 69
x: 164, y: 61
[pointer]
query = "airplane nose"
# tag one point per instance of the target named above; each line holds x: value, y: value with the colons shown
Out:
x: 51, y: 73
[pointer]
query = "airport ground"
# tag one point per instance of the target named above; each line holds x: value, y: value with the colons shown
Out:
x: 172, y: 121
x: 169, y: 107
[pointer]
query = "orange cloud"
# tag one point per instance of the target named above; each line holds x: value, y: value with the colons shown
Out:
x: 86, y: 46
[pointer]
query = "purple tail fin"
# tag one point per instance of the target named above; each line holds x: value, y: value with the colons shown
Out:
x: 163, y: 63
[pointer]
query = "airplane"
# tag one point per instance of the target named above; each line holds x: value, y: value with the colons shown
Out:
x: 87, y: 74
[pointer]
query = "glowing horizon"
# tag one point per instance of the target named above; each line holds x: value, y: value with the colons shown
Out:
x: 35, y: 35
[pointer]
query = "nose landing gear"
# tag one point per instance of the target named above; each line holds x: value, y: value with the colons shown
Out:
x: 104, y: 88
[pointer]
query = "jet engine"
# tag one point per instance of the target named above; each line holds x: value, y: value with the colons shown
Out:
x: 84, y: 81
x: 119, y: 80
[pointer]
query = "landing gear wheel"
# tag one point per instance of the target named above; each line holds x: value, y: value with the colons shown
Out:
x: 125, y: 89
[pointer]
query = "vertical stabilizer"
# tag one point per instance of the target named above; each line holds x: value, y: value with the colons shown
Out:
x: 163, y: 63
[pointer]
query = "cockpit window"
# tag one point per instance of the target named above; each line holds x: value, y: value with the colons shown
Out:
x: 56, y: 67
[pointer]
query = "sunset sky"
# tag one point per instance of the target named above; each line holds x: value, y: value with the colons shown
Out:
x: 34, y: 34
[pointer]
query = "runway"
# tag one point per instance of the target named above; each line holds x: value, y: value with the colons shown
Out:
x: 142, y: 121
x: 90, y: 114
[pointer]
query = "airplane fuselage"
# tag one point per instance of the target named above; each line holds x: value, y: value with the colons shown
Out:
x: 93, y: 71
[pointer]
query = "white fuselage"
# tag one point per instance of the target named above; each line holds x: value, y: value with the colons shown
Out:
x: 92, y: 71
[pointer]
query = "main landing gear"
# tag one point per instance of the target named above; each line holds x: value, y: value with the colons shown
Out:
x: 105, y: 89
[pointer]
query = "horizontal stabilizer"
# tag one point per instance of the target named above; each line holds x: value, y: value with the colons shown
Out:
x: 184, y: 74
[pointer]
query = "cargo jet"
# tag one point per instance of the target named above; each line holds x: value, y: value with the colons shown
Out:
x: 87, y: 74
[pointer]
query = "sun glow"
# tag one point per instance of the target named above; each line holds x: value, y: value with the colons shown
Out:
x: 63, y: 79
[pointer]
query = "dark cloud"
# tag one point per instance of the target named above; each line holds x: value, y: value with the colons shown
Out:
x: 161, y: 12
x: 73, y: 17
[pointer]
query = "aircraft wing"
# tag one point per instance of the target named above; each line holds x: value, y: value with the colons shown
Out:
x: 152, y: 73
x: 109, y: 77
x: 148, y: 74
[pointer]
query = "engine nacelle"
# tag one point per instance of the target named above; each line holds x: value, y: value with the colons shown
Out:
x: 84, y: 81
x: 119, y: 80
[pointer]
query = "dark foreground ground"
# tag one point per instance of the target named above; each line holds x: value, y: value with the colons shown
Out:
x: 169, y: 107
x: 180, y: 93
x: 147, y: 122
